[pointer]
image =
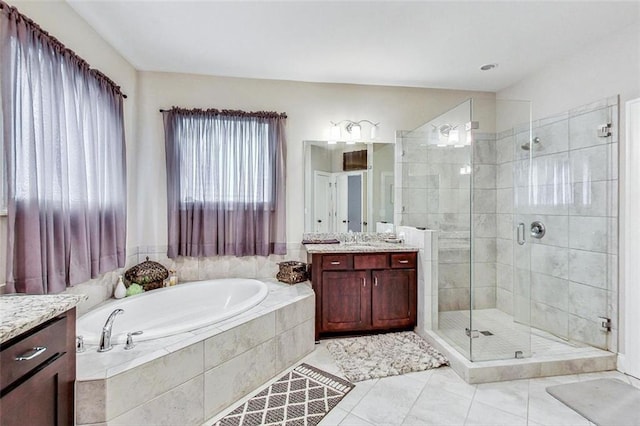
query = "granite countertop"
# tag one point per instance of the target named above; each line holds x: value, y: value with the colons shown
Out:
x: 20, y: 313
x: 364, y: 247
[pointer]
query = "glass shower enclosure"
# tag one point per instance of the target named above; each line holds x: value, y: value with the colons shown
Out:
x: 525, y: 214
x: 453, y: 183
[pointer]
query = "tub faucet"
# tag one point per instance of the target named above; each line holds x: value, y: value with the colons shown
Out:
x: 105, y: 336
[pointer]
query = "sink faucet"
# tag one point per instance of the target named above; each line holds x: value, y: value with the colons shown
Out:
x: 105, y: 336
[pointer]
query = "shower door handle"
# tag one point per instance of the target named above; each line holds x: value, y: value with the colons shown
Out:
x: 521, y: 233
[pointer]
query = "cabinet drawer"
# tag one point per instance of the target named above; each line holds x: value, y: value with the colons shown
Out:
x: 403, y: 260
x: 53, y: 337
x: 335, y: 261
x: 370, y: 261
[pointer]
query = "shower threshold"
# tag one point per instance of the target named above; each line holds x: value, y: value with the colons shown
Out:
x: 549, y: 355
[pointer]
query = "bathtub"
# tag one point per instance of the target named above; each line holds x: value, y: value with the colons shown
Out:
x: 173, y: 310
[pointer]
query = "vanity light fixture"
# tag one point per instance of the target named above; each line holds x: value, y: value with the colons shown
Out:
x: 353, y: 130
x: 447, y: 135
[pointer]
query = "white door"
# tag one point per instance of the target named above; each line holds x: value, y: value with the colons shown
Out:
x: 321, y: 204
x: 342, y: 202
x: 350, y: 202
x: 632, y: 242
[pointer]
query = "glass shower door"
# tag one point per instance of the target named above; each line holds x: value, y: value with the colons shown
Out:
x: 502, y: 256
x: 436, y: 194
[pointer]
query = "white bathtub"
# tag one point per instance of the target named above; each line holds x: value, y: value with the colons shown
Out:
x: 167, y: 311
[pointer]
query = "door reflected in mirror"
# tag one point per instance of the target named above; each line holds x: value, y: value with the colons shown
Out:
x: 348, y: 187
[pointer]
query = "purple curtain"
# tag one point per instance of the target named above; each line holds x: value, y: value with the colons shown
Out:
x: 63, y: 141
x: 225, y: 182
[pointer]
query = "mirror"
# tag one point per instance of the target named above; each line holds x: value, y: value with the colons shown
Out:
x: 348, y: 187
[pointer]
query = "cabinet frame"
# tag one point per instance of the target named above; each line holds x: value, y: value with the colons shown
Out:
x: 381, y: 272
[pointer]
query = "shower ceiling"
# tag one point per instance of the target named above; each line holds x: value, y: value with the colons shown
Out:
x: 416, y: 44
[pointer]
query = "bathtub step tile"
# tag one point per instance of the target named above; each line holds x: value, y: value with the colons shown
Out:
x: 295, y: 343
x: 295, y: 313
x: 134, y: 387
x: 90, y: 402
x: 230, y: 343
x: 231, y: 380
x: 183, y: 405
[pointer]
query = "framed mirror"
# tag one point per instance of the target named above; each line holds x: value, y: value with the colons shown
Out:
x: 348, y: 187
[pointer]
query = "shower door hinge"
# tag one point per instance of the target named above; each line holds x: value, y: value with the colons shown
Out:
x: 472, y: 125
x: 472, y: 333
x: 604, y: 130
x: 605, y: 324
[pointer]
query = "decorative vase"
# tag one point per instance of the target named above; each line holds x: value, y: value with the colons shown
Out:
x: 120, y: 290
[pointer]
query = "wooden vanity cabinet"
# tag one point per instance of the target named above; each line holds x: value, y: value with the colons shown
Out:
x: 36, y: 384
x: 362, y: 292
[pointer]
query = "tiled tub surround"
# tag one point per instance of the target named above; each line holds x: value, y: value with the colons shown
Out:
x: 189, y: 378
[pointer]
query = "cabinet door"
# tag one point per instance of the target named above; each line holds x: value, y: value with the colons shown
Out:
x: 43, y: 399
x: 393, y: 298
x: 346, y: 299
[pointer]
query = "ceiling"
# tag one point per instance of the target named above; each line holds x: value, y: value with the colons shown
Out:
x: 397, y: 43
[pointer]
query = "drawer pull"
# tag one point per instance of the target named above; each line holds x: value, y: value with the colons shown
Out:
x: 375, y: 281
x: 27, y: 356
x: 403, y: 261
x: 335, y: 263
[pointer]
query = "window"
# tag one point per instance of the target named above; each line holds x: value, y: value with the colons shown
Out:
x: 225, y: 177
x: 223, y: 160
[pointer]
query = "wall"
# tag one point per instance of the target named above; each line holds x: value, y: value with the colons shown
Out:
x: 61, y: 21
x: 608, y: 67
x: 310, y: 108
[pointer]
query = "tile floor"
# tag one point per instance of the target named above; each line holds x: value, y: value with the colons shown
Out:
x: 440, y: 397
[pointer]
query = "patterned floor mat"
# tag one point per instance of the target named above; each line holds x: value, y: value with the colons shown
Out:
x: 301, y: 397
x: 382, y: 355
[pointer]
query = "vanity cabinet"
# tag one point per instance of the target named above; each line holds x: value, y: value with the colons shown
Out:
x: 38, y: 374
x: 361, y: 292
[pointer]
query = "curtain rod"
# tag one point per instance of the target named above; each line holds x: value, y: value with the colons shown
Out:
x: 228, y: 112
x: 59, y: 45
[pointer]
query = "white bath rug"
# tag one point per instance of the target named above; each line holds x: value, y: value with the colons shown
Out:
x: 605, y: 402
x: 301, y: 397
x: 382, y: 355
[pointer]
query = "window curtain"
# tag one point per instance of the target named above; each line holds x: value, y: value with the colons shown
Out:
x: 225, y: 182
x: 63, y: 141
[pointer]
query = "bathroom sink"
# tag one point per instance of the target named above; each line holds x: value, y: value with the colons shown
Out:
x: 359, y: 246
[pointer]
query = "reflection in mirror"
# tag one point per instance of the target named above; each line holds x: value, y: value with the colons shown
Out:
x: 348, y: 187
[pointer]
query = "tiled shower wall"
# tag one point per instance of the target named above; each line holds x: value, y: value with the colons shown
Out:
x: 436, y: 194
x: 574, y: 176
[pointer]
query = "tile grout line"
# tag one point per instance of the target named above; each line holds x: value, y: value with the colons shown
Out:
x: 424, y: 387
x: 473, y: 398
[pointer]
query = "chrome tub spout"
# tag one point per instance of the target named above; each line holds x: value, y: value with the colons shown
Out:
x: 105, y: 336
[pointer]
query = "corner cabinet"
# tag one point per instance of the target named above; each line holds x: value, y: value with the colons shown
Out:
x: 38, y: 374
x: 361, y: 292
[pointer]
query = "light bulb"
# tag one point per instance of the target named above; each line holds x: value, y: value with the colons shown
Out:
x: 335, y: 132
x: 374, y: 131
x: 355, y: 131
